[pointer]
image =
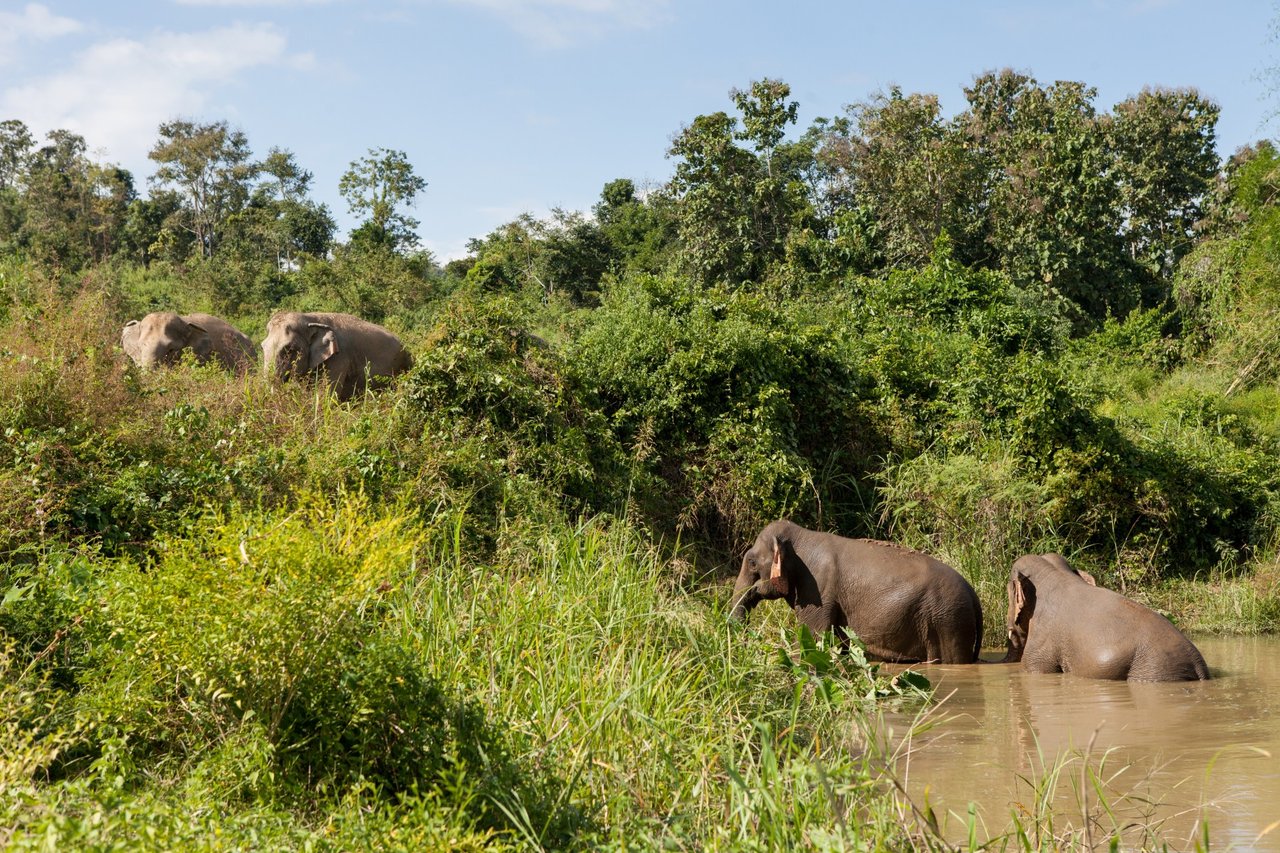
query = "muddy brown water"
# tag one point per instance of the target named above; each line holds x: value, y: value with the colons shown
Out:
x: 1174, y: 758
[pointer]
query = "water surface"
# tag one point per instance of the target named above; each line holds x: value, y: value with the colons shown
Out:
x: 1174, y: 757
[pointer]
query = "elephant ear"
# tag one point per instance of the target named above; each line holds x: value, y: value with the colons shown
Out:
x: 198, y: 339
x: 324, y: 343
x: 1086, y: 577
x: 777, y: 577
x: 1023, y: 593
x: 129, y: 339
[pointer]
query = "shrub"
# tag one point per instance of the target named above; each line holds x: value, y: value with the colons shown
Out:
x: 514, y: 432
x: 743, y: 407
x: 267, y: 634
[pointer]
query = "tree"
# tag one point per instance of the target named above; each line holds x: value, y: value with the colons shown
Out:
x: 377, y: 185
x: 74, y: 209
x: 1165, y: 163
x: 147, y: 234
x: 638, y: 231
x: 15, y: 142
x: 1052, y: 206
x: 735, y: 207
x: 283, y: 219
x: 909, y: 169
x: 565, y: 253
x: 209, y: 164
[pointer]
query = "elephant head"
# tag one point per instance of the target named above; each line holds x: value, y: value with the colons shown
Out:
x: 297, y: 345
x: 1022, y: 596
x: 764, y: 573
x: 160, y: 337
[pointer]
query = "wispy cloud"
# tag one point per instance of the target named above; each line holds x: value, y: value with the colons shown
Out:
x: 34, y: 23
x: 117, y: 92
x: 560, y: 23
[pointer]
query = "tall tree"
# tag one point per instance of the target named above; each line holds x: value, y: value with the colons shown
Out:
x: 1164, y: 143
x: 638, y: 231
x: 1052, y: 205
x: 290, y: 223
x: 736, y: 206
x: 209, y: 164
x: 15, y: 143
x: 377, y: 186
x: 75, y: 209
x: 911, y: 171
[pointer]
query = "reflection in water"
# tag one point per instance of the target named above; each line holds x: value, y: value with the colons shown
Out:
x: 1168, y: 756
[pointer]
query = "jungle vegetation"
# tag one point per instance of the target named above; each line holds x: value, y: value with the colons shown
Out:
x: 454, y: 615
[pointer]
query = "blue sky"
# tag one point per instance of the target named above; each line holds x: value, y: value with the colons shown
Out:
x: 506, y: 106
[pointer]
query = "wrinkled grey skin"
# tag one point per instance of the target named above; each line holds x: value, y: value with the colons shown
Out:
x: 161, y: 337
x: 1060, y: 621
x: 344, y: 350
x: 903, y: 605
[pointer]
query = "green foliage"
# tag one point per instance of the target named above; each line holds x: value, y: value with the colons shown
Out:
x: 735, y: 207
x: 209, y: 165
x: 519, y: 435
x: 378, y: 185
x: 564, y: 254
x: 913, y: 175
x: 266, y: 641
x: 369, y: 281
x: 1227, y: 289
x: 749, y: 411
x: 1166, y: 162
x: 639, y: 232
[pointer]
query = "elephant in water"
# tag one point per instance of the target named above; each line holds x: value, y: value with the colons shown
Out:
x: 903, y: 605
x: 349, y: 353
x: 1061, y: 621
x: 162, y: 336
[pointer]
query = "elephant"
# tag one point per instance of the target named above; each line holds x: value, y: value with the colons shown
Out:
x: 903, y: 605
x: 346, y: 351
x: 162, y: 336
x: 1060, y: 620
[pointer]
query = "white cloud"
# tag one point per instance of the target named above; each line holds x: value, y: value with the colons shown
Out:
x: 559, y: 23
x: 34, y: 22
x: 117, y: 92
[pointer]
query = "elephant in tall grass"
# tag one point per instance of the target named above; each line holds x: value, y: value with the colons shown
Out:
x: 902, y: 604
x: 161, y: 337
x: 347, y: 352
x: 1060, y: 620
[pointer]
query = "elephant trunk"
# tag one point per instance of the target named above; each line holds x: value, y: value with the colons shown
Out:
x: 281, y: 364
x: 745, y: 598
x: 1016, y: 642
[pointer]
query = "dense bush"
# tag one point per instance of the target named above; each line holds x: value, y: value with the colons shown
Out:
x: 747, y: 409
x: 269, y: 635
x: 514, y: 430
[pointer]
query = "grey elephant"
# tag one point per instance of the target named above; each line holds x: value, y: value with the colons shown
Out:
x: 902, y: 604
x: 1060, y: 620
x: 345, y: 351
x: 161, y: 337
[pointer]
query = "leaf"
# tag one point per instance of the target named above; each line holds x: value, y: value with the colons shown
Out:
x: 914, y: 681
x: 17, y: 593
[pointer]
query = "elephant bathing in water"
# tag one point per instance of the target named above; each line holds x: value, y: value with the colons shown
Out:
x: 1061, y: 621
x: 346, y: 351
x: 903, y: 605
x: 161, y: 337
